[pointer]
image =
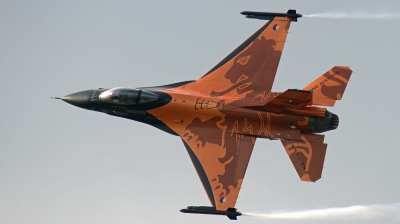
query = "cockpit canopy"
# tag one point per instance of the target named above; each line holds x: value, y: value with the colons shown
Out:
x: 127, y: 96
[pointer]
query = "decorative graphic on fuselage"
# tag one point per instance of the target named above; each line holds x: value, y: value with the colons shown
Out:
x: 208, y: 104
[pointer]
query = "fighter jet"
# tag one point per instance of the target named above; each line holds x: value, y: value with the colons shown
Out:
x: 220, y: 116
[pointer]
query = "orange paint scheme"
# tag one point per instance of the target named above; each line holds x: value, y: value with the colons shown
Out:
x: 330, y: 86
x: 220, y: 116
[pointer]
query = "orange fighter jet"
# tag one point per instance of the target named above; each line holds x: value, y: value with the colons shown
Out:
x: 220, y: 116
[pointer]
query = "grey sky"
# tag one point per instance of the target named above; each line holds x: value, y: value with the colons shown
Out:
x: 62, y: 164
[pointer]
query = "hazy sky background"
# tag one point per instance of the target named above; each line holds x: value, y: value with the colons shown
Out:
x: 62, y: 164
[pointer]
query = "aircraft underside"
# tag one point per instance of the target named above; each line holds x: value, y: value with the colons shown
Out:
x: 220, y: 116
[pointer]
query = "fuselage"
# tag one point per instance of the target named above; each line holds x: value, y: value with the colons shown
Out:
x: 183, y: 113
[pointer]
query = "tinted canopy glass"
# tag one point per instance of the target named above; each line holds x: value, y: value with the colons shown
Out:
x: 147, y: 97
x: 126, y: 96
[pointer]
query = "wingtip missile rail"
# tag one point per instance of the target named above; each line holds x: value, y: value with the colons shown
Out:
x: 231, y: 213
x: 291, y: 13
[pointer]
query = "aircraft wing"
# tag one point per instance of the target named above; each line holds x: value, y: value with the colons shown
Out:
x: 307, y: 155
x: 220, y: 159
x: 249, y: 71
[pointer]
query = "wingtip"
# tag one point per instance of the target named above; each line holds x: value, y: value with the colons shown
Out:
x: 344, y: 67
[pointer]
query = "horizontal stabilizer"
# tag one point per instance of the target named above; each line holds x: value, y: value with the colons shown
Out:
x: 330, y: 86
x: 307, y: 157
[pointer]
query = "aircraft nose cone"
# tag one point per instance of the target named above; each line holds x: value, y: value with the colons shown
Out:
x: 80, y: 99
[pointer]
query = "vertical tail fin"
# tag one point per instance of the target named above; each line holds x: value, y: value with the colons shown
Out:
x: 330, y: 86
